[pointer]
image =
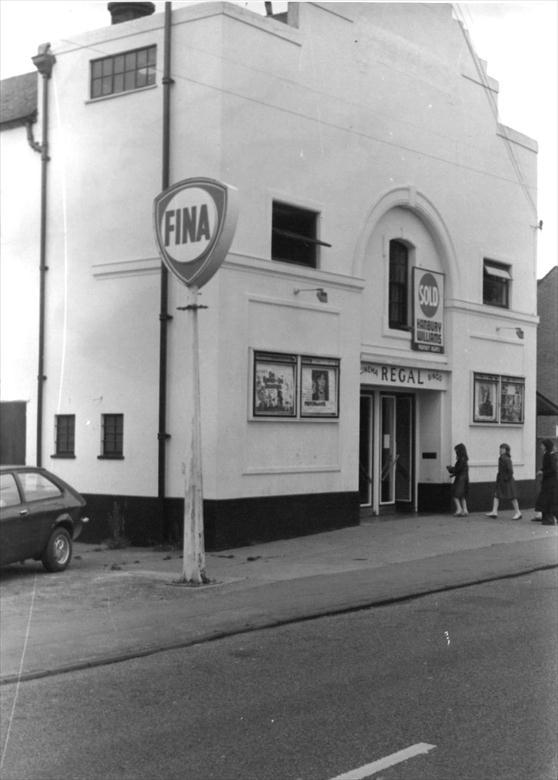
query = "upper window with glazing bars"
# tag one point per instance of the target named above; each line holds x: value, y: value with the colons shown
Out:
x: 398, y: 285
x: 123, y: 72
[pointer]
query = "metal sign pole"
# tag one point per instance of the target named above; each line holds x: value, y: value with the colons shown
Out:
x: 194, y: 547
x: 194, y: 223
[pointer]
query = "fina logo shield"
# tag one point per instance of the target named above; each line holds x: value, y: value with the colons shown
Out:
x: 194, y: 223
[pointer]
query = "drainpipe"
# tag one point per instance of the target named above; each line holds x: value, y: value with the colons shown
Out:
x: 164, y: 316
x: 44, y: 62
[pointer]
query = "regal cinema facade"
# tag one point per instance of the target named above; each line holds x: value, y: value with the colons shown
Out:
x: 377, y: 305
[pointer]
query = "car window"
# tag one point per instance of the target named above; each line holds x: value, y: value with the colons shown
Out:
x: 37, y: 486
x: 9, y: 494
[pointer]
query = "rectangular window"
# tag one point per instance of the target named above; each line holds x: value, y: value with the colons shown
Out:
x: 112, y: 436
x: 65, y: 435
x: 294, y: 235
x: 496, y: 284
x: 398, y: 286
x: 123, y: 72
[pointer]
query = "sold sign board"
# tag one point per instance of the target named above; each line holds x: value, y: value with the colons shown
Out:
x: 194, y: 223
x: 428, y: 326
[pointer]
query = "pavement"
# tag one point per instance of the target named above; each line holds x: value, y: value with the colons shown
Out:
x: 113, y: 605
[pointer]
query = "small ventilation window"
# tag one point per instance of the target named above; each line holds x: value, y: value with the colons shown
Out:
x: 496, y: 284
x: 294, y: 235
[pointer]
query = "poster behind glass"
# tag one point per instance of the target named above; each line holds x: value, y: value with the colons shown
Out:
x: 512, y: 399
x: 319, y: 392
x: 486, y: 398
x: 274, y: 385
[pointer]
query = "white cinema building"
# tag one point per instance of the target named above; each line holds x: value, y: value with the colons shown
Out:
x: 378, y: 302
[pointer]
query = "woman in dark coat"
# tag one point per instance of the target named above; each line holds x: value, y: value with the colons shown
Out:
x: 505, y: 484
x: 460, y: 487
x: 547, y: 502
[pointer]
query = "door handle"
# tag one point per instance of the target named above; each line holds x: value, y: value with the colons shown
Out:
x: 24, y: 513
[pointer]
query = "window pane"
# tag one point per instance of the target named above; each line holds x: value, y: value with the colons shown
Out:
x: 37, y: 487
x: 398, y: 285
x: 496, y: 284
x: 9, y: 495
x: 119, y: 82
x: 290, y: 227
x: 96, y: 87
x: 113, y: 425
x: 65, y: 430
x: 123, y: 72
x: 96, y: 69
x: 130, y: 80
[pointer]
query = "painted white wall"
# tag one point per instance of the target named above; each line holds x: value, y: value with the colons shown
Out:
x: 374, y: 115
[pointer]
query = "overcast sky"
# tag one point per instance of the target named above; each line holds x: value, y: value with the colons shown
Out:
x: 517, y: 39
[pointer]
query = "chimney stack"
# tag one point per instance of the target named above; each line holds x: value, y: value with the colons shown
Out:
x: 125, y: 12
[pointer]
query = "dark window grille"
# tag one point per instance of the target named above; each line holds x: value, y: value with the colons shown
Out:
x: 293, y: 235
x: 123, y: 72
x: 398, y: 285
x: 65, y: 434
x: 496, y: 284
x: 112, y: 442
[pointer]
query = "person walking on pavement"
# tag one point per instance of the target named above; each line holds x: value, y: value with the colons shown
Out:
x: 547, y: 501
x: 505, y: 484
x: 460, y: 487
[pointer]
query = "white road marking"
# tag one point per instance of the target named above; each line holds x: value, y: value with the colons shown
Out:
x: 384, y: 763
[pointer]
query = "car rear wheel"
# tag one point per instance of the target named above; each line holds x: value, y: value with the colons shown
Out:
x: 58, y: 552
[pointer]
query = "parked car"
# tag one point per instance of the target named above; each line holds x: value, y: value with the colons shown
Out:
x: 40, y: 516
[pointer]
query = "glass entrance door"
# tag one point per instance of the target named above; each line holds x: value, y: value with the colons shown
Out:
x: 366, y: 473
x: 396, y: 446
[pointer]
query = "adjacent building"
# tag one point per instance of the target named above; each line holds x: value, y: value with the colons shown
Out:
x: 378, y: 304
x: 547, y: 356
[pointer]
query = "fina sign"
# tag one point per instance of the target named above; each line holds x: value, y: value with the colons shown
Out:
x: 194, y: 223
x: 428, y: 330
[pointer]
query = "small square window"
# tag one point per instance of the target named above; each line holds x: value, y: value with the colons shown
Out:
x: 112, y: 436
x: 496, y: 284
x: 65, y: 435
x: 293, y: 235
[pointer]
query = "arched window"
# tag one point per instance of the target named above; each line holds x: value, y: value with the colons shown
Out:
x: 398, y: 285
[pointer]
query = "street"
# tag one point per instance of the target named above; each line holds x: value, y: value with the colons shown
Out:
x: 471, y: 674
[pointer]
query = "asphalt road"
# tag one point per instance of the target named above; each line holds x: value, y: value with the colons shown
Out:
x: 460, y: 686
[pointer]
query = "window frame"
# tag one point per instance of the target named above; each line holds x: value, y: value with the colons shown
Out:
x: 298, y: 243
x: 125, y: 74
x: 64, y: 437
x: 500, y: 280
x: 113, y: 437
x: 401, y: 323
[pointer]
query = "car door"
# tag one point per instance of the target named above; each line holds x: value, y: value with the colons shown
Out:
x: 12, y: 512
x: 42, y: 504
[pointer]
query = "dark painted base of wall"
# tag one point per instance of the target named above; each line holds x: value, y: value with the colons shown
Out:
x: 239, y: 522
x: 141, y: 521
x: 437, y: 497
